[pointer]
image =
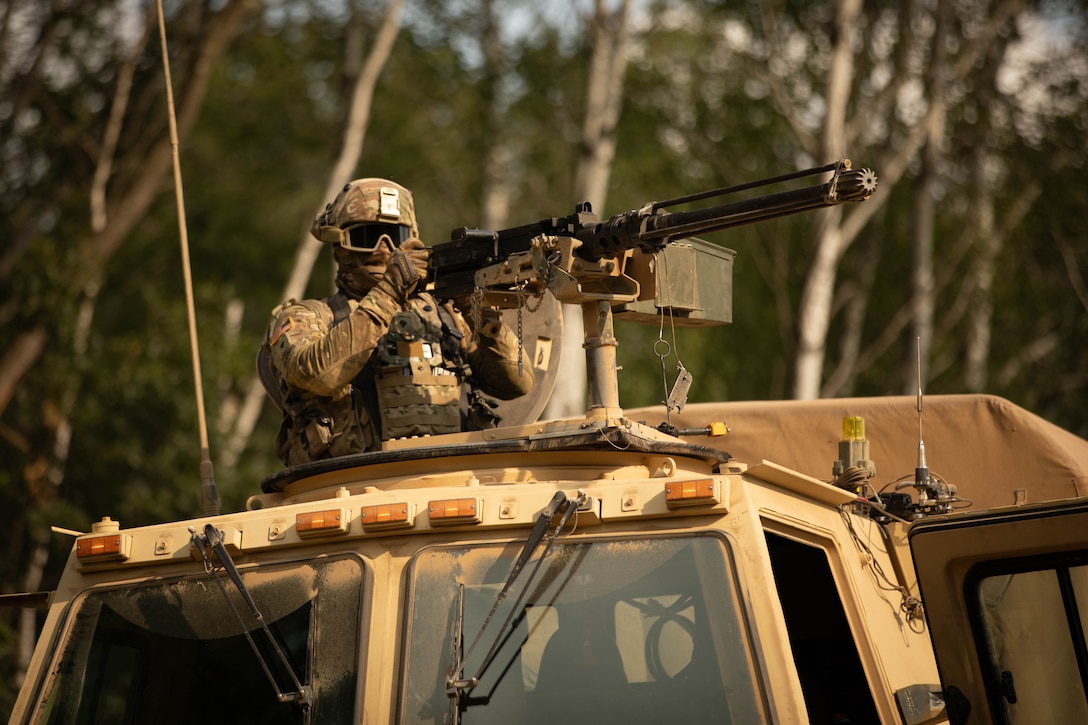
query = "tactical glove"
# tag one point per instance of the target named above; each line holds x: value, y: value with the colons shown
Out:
x: 418, y: 254
x: 407, y: 266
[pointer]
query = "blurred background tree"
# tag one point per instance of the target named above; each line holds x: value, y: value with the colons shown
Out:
x: 493, y: 112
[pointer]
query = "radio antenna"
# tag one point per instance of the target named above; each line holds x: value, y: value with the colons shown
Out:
x: 921, y: 473
x: 209, y: 495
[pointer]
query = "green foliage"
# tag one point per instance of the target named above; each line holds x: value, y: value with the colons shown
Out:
x: 698, y: 113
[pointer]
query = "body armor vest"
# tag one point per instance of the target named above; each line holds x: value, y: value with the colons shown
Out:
x: 411, y: 385
x: 418, y: 370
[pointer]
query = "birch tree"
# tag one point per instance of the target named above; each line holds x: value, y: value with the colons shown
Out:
x: 609, y: 34
x: 889, y: 76
x: 498, y: 153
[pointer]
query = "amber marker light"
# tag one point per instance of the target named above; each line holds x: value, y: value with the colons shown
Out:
x: 388, y: 516
x: 100, y: 546
x: 699, y: 492
x: 454, y: 511
x: 314, y: 523
x: 105, y: 543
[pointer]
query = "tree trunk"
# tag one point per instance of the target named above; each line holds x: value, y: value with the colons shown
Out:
x: 923, y: 302
x: 20, y: 355
x: 604, y: 98
x: 495, y: 191
x: 855, y: 306
x: 815, y: 313
x: 981, y: 311
x: 891, y: 164
x: 814, y: 316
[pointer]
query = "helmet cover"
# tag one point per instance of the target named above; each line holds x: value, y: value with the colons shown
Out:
x: 363, y: 202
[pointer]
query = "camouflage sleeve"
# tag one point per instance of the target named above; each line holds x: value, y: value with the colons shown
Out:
x: 493, y: 355
x: 322, y: 359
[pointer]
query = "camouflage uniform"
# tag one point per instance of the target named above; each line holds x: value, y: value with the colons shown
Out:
x: 362, y: 366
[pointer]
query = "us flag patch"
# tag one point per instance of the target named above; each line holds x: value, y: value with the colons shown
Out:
x: 284, y: 326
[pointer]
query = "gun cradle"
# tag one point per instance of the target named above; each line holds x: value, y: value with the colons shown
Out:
x: 551, y: 263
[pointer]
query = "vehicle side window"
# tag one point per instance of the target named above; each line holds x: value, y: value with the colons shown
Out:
x: 824, y: 652
x: 1032, y: 632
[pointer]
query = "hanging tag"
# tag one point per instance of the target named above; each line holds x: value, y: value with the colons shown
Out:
x: 678, y: 398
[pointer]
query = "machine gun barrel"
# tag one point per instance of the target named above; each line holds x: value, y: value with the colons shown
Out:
x: 453, y: 264
x: 651, y: 227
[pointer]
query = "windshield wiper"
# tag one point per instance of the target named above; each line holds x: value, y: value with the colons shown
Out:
x: 212, y: 539
x: 454, y: 686
x: 457, y: 686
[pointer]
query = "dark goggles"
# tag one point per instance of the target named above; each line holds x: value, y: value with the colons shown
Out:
x: 368, y: 236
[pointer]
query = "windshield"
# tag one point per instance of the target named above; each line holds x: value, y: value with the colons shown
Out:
x: 634, y: 631
x: 173, y: 652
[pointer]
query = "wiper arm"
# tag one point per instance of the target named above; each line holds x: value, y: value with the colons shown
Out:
x: 486, y: 699
x: 453, y: 684
x: 456, y: 685
x: 571, y: 507
x: 212, y: 539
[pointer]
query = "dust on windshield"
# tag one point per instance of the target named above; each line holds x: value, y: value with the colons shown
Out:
x: 173, y: 652
x: 636, y: 631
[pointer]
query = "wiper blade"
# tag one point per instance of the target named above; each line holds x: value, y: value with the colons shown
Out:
x: 453, y: 685
x: 458, y: 686
x: 212, y: 539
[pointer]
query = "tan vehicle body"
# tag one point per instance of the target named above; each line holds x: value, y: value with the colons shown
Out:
x: 650, y: 577
x: 627, y: 499
x: 746, y: 502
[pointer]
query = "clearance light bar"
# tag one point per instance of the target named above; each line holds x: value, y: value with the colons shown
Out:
x: 700, y: 492
x: 454, y: 511
x: 322, y: 523
x: 400, y: 515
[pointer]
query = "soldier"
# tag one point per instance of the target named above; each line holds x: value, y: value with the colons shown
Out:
x: 381, y: 358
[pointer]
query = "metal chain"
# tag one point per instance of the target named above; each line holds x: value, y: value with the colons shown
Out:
x: 521, y: 344
x: 539, y: 297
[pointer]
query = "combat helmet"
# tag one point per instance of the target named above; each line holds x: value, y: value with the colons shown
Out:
x: 363, y: 212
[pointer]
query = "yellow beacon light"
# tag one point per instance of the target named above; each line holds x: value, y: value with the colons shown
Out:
x: 853, y: 428
x: 854, y: 467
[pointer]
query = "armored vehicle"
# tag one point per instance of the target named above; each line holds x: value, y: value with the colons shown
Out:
x: 618, y: 567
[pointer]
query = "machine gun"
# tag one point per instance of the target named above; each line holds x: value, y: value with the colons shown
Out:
x: 611, y: 267
x: 455, y: 266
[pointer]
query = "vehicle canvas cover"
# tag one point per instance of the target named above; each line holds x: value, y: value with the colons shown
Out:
x: 994, y: 452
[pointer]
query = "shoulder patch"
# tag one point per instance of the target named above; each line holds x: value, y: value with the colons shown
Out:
x: 283, y: 327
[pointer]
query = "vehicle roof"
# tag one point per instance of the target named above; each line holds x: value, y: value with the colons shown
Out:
x: 995, y: 452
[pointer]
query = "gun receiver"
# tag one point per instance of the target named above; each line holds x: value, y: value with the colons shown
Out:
x: 454, y: 264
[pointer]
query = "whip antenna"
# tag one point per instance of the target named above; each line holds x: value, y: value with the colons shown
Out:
x: 209, y: 495
x: 921, y: 472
